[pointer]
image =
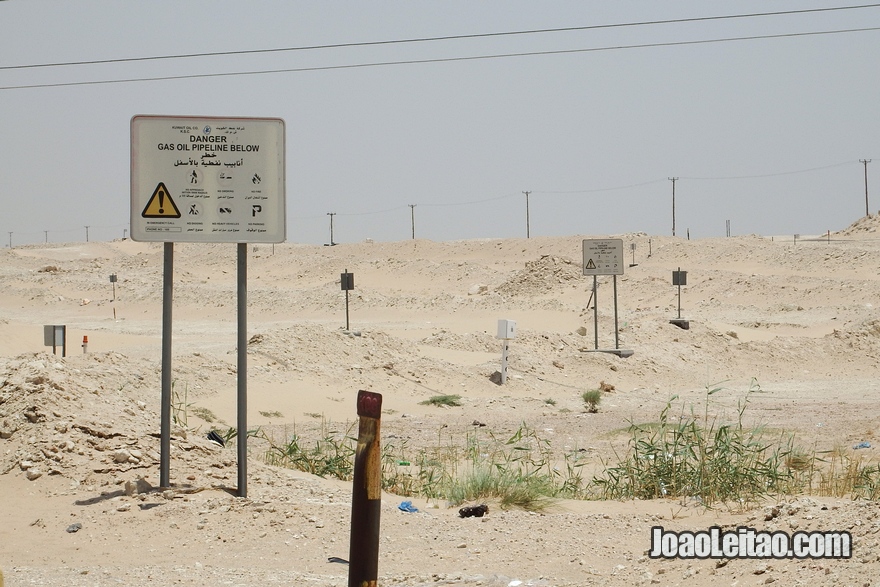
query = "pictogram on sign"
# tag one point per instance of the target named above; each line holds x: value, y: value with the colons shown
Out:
x: 160, y: 204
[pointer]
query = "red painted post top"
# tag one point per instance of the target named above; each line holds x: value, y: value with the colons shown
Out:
x: 369, y: 404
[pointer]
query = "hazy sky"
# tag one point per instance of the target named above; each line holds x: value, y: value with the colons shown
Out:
x: 765, y: 133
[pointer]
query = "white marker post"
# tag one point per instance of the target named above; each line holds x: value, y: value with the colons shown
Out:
x: 506, y: 332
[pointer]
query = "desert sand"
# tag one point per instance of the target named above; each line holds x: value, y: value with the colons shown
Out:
x: 79, y: 435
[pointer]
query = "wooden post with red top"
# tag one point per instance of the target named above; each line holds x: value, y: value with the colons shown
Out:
x: 366, y: 497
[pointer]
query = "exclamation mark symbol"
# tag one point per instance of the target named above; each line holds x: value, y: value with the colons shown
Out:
x: 161, y: 201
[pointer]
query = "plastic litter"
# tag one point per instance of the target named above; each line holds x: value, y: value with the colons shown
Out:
x: 477, y: 511
x: 862, y: 445
x: 407, y: 506
x: 216, y: 438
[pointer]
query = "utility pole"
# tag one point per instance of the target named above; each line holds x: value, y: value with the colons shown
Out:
x: 87, y: 234
x: 673, y: 180
x: 331, y: 215
x: 528, y: 234
x: 412, y: 209
x: 865, y: 162
x: 10, y: 240
x: 124, y: 233
x: 46, y: 233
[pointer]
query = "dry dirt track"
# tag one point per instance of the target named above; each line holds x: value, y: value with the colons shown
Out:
x: 800, y: 320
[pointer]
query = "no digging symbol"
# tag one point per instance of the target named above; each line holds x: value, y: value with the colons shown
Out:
x: 160, y: 204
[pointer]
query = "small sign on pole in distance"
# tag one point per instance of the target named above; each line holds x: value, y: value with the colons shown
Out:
x: 680, y: 278
x: 55, y: 335
x: 603, y: 256
x: 207, y: 180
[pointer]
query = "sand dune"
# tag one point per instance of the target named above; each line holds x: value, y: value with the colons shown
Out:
x: 799, y: 319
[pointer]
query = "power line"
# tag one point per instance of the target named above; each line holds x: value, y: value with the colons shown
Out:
x: 469, y: 203
x: 774, y: 174
x: 591, y: 191
x: 445, y: 37
x: 369, y: 213
x: 444, y: 59
x: 654, y: 181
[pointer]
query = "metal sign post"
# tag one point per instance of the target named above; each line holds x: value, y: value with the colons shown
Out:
x: 595, y: 313
x: 207, y: 180
x: 165, y: 408
x: 113, y: 283
x: 679, y: 278
x: 241, y: 394
x: 346, y: 281
x: 604, y: 257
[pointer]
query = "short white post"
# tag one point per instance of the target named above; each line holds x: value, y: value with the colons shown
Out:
x: 506, y: 331
x: 505, y: 344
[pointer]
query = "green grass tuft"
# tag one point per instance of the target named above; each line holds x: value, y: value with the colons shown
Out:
x: 451, y: 400
x: 592, y: 399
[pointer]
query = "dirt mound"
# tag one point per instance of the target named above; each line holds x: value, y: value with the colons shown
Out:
x: 542, y: 276
x: 86, y: 418
x: 865, y: 224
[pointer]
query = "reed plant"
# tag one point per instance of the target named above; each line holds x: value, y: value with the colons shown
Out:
x: 837, y: 473
x: 693, y: 454
x: 330, y: 455
x: 689, y: 452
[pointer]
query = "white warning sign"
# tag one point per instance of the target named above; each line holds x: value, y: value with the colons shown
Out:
x: 201, y: 179
x: 603, y: 256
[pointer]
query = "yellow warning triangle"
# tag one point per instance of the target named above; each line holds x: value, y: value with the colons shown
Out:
x: 161, y: 205
x: 590, y: 264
